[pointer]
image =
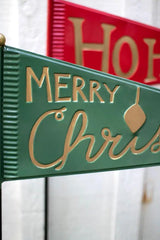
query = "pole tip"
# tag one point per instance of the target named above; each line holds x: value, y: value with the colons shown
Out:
x: 2, y: 40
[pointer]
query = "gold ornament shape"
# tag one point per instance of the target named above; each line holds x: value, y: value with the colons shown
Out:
x: 134, y: 115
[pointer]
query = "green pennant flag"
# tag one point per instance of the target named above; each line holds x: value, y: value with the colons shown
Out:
x: 58, y: 118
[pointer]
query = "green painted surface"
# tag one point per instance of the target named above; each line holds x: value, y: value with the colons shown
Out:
x: 60, y: 118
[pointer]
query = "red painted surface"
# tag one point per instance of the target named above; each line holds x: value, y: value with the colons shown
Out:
x: 124, y: 36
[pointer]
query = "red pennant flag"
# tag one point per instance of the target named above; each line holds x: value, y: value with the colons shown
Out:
x: 103, y: 42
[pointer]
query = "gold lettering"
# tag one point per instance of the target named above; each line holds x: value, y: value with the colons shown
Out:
x: 94, y: 87
x: 68, y: 147
x: 116, y: 54
x: 80, y: 46
x: 132, y: 146
x: 151, y: 56
x: 33, y: 134
x: 45, y: 75
x: 115, y: 141
x: 78, y: 89
x: 59, y: 85
x: 112, y: 93
x: 107, y: 138
x: 81, y: 136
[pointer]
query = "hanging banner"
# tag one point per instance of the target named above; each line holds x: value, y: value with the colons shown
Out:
x: 103, y: 42
x: 58, y: 118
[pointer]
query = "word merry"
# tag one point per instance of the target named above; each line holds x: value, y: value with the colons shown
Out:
x: 62, y: 82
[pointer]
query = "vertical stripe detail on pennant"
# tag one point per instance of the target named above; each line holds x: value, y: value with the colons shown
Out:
x: 10, y: 113
x: 57, y: 29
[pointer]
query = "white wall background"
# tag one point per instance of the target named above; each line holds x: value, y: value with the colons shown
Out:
x: 119, y: 205
x: 23, y: 22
